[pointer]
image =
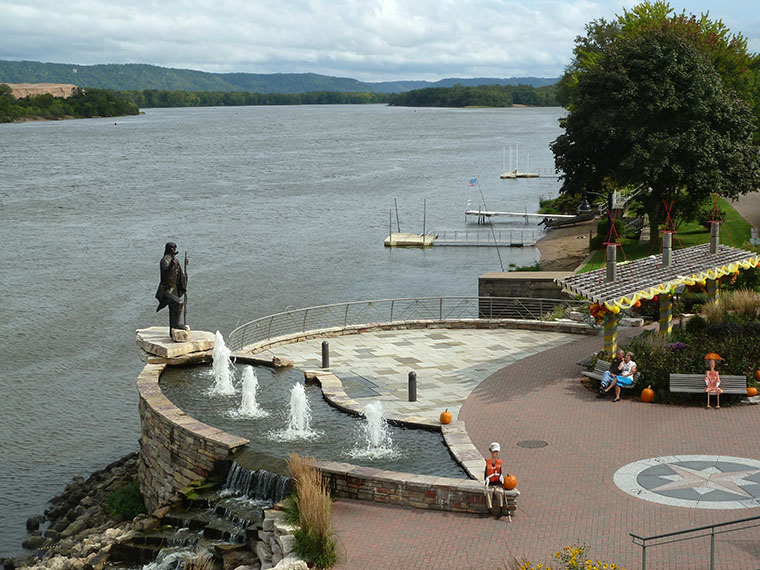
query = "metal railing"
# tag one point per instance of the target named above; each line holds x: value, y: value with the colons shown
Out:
x: 712, y: 531
x: 389, y: 311
x: 487, y: 237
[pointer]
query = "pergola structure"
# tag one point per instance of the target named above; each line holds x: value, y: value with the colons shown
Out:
x: 619, y: 285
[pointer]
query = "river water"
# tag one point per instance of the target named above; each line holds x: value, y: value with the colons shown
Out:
x: 277, y: 207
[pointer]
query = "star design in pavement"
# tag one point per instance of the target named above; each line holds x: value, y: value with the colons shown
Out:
x: 705, y: 480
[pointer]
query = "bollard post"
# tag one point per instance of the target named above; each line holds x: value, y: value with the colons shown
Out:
x: 412, y: 386
x: 325, y: 354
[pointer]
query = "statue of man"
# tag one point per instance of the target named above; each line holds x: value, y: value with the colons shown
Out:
x: 171, y: 289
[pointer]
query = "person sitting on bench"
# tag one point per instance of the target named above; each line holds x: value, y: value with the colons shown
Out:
x: 625, y: 378
x: 609, y: 375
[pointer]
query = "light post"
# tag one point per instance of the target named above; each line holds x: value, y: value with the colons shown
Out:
x: 585, y: 207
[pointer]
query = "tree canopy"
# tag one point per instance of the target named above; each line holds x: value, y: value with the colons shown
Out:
x: 83, y: 103
x: 654, y: 99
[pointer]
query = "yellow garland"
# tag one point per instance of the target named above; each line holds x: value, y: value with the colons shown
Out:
x: 689, y: 280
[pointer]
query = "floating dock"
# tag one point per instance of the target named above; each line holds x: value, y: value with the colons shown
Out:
x: 400, y: 239
x: 511, y: 175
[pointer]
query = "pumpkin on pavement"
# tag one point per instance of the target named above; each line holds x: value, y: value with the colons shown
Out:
x: 647, y: 394
x: 446, y: 416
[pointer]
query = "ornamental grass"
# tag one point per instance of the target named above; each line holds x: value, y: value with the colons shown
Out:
x: 311, y: 507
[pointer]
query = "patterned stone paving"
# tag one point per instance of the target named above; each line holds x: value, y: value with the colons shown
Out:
x: 449, y: 363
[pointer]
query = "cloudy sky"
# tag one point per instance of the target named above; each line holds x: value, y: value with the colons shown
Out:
x: 370, y: 40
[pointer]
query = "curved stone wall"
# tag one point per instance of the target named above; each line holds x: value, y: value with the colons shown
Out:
x: 175, y: 449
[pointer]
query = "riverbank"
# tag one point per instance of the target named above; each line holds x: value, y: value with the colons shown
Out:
x: 79, y: 530
x: 563, y: 249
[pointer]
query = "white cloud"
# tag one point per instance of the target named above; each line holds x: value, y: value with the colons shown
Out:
x: 368, y: 40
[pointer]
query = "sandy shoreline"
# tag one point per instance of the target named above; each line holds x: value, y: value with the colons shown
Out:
x: 563, y: 249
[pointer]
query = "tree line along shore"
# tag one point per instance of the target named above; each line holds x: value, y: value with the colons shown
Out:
x: 89, y: 102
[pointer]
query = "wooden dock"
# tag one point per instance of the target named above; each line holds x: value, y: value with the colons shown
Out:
x: 484, y: 216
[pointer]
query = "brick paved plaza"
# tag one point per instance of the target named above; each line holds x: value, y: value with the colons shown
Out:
x: 568, y: 495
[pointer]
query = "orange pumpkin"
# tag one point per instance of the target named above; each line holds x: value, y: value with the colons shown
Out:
x: 446, y: 416
x: 751, y: 391
x: 510, y: 482
x: 647, y: 394
x: 757, y: 374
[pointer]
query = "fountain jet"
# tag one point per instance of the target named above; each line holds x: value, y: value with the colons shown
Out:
x: 374, y: 440
x: 222, y: 367
x: 249, y: 407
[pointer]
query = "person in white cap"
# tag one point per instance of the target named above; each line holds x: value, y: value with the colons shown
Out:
x: 494, y: 478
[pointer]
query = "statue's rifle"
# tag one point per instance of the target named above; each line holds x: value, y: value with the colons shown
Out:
x: 184, y: 311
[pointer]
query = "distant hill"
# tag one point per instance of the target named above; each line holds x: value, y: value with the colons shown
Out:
x: 137, y: 76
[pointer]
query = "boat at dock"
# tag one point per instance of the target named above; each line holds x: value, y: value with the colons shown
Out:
x: 512, y: 174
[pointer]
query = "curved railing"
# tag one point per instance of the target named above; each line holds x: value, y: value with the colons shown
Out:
x: 389, y: 311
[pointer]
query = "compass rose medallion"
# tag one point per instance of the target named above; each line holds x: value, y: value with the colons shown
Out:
x: 697, y: 481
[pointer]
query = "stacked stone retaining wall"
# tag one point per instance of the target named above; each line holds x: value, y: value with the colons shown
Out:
x: 175, y: 449
x: 405, y: 489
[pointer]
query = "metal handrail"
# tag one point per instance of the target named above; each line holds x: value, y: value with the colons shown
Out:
x: 389, y: 311
x: 642, y: 540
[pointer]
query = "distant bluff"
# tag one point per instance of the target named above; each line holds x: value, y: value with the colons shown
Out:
x: 134, y: 76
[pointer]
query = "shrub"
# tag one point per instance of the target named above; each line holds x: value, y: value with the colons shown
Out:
x: 747, y: 278
x: 705, y: 215
x: 126, y: 502
x: 689, y: 299
x: 315, y: 538
x: 602, y: 229
x: 562, y: 204
x: 535, y: 267
x: 695, y: 324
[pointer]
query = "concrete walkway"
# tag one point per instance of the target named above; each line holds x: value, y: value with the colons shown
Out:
x: 570, y: 488
x: 748, y: 207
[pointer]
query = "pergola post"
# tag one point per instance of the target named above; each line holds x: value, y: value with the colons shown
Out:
x: 611, y: 273
x: 610, y: 335
x: 712, y: 284
x: 667, y: 249
x: 666, y: 313
x: 714, y: 237
x: 611, y: 323
x: 712, y: 291
x: 666, y: 299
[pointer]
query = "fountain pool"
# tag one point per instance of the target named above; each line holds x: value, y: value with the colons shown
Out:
x: 334, y: 435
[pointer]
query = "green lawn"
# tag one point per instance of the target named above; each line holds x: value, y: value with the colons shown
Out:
x: 734, y: 231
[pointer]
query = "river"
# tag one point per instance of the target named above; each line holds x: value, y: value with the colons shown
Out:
x: 277, y: 207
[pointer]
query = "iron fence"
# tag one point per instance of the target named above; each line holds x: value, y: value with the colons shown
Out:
x: 389, y: 311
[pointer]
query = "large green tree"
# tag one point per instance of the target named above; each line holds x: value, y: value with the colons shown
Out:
x: 649, y: 106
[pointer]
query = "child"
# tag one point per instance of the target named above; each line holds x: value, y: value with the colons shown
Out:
x: 712, y: 379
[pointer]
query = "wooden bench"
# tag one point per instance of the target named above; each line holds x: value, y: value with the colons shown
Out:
x: 603, y: 366
x: 696, y: 383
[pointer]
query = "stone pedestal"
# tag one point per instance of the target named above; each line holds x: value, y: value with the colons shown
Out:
x: 156, y: 341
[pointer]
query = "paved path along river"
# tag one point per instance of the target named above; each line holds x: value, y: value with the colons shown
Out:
x: 570, y: 492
